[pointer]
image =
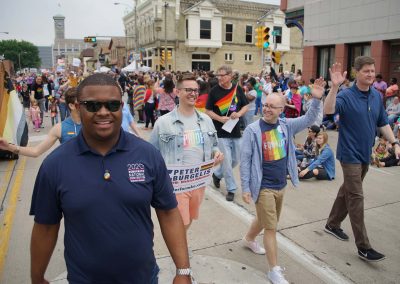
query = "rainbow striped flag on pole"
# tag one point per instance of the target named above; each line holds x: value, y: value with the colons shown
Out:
x: 13, y: 125
x: 225, y: 103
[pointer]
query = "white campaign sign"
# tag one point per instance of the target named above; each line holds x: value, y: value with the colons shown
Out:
x: 190, y: 177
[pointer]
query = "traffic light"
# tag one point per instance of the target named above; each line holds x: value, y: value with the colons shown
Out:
x: 276, y: 57
x: 90, y: 39
x: 169, y: 54
x: 265, y: 37
x: 259, y: 37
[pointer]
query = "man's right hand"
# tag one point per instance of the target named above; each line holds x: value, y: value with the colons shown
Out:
x: 4, y: 144
x: 337, y: 78
x: 224, y: 119
x: 246, y: 196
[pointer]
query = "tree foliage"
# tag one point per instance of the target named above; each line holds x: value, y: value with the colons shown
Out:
x: 28, y: 53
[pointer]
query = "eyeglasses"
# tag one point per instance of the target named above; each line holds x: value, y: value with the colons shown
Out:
x: 221, y: 75
x: 190, y: 90
x: 271, y: 106
x: 95, y: 106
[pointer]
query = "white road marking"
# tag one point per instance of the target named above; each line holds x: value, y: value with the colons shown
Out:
x: 307, y: 260
x: 381, y: 171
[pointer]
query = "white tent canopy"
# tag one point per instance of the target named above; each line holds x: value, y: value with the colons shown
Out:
x: 144, y: 68
x: 104, y: 69
x: 130, y: 68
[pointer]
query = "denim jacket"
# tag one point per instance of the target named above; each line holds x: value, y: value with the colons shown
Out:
x: 167, y: 136
x: 251, y: 157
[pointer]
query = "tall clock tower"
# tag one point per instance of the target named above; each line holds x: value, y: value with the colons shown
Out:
x: 59, y: 27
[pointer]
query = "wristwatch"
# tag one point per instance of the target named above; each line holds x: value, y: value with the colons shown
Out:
x: 396, y: 142
x: 184, y: 271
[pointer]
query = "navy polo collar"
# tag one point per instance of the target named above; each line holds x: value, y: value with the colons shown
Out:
x: 122, y: 143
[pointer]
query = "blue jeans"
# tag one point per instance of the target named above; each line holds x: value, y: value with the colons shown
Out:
x: 63, y: 110
x: 392, y: 118
x: 258, y: 106
x: 248, y: 118
x: 230, y: 147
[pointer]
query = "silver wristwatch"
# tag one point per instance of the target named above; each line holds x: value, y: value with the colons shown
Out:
x: 184, y: 271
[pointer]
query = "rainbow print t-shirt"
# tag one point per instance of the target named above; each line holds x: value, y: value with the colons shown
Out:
x: 274, y: 151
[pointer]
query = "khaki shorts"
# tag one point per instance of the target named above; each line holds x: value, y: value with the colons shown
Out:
x: 189, y: 204
x: 268, y: 207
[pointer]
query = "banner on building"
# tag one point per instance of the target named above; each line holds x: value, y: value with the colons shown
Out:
x: 190, y: 177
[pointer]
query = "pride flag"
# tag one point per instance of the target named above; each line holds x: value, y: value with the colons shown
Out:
x: 13, y: 125
x: 225, y: 102
x: 201, y: 102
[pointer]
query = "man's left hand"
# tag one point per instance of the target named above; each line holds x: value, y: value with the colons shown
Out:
x: 218, y: 158
x: 234, y: 115
x: 182, y: 279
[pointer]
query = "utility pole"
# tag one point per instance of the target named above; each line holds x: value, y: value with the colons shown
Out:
x: 165, y: 35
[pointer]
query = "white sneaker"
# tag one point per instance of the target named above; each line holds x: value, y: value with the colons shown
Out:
x: 254, y: 246
x: 276, y: 276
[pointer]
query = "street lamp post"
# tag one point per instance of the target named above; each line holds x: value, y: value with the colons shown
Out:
x: 19, y: 58
x: 165, y: 35
x: 136, y: 32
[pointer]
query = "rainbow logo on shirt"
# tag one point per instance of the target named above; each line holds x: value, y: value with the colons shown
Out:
x: 192, y: 138
x: 274, y: 145
x: 225, y: 103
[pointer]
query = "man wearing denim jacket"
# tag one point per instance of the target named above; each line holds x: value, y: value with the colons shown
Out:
x: 267, y: 155
x: 187, y: 136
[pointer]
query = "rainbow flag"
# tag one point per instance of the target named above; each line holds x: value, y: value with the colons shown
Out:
x: 201, y: 102
x: 225, y: 102
x: 13, y: 125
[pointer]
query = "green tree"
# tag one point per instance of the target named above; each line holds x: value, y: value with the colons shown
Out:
x: 20, y: 52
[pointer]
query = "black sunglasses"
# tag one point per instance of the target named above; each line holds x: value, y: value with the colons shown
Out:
x: 95, y: 106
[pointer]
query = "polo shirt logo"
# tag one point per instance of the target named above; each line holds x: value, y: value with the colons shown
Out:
x: 136, y: 172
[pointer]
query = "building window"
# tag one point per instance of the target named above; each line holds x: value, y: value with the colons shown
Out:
x: 228, y: 56
x: 249, y: 34
x: 248, y: 57
x: 205, y: 29
x: 187, y: 28
x: 150, y: 63
x: 293, y: 68
x: 363, y: 49
x: 228, y: 32
x: 280, y: 68
x: 326, y: 57
x: 278, y: 34
x: 200, y: 56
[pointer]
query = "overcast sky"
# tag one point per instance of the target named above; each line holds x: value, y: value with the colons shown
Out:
x: 32, y: 20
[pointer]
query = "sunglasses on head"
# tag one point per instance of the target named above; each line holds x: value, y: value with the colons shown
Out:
x: 95, y: 106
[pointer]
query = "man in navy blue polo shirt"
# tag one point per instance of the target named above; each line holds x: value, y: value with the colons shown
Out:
x: 103, y: 183
x: 361, y: 111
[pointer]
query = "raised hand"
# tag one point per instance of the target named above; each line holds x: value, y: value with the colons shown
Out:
x: 318, y: 88
x: 337, y: 77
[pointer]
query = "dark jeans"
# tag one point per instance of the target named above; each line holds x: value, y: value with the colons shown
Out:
x: 149, y: 111
x: 390, y: 161
x: 258, y: 106
x: 322, y: 174
x: 350, y: 200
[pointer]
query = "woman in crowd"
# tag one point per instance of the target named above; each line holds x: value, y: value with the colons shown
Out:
x: 167, y: 96
x: 150, y: 103
x: 323, y: 167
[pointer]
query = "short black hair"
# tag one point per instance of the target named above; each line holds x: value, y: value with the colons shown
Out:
x: 98, y: 79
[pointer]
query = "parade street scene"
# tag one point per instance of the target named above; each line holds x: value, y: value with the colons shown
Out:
x: 200, y: 142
